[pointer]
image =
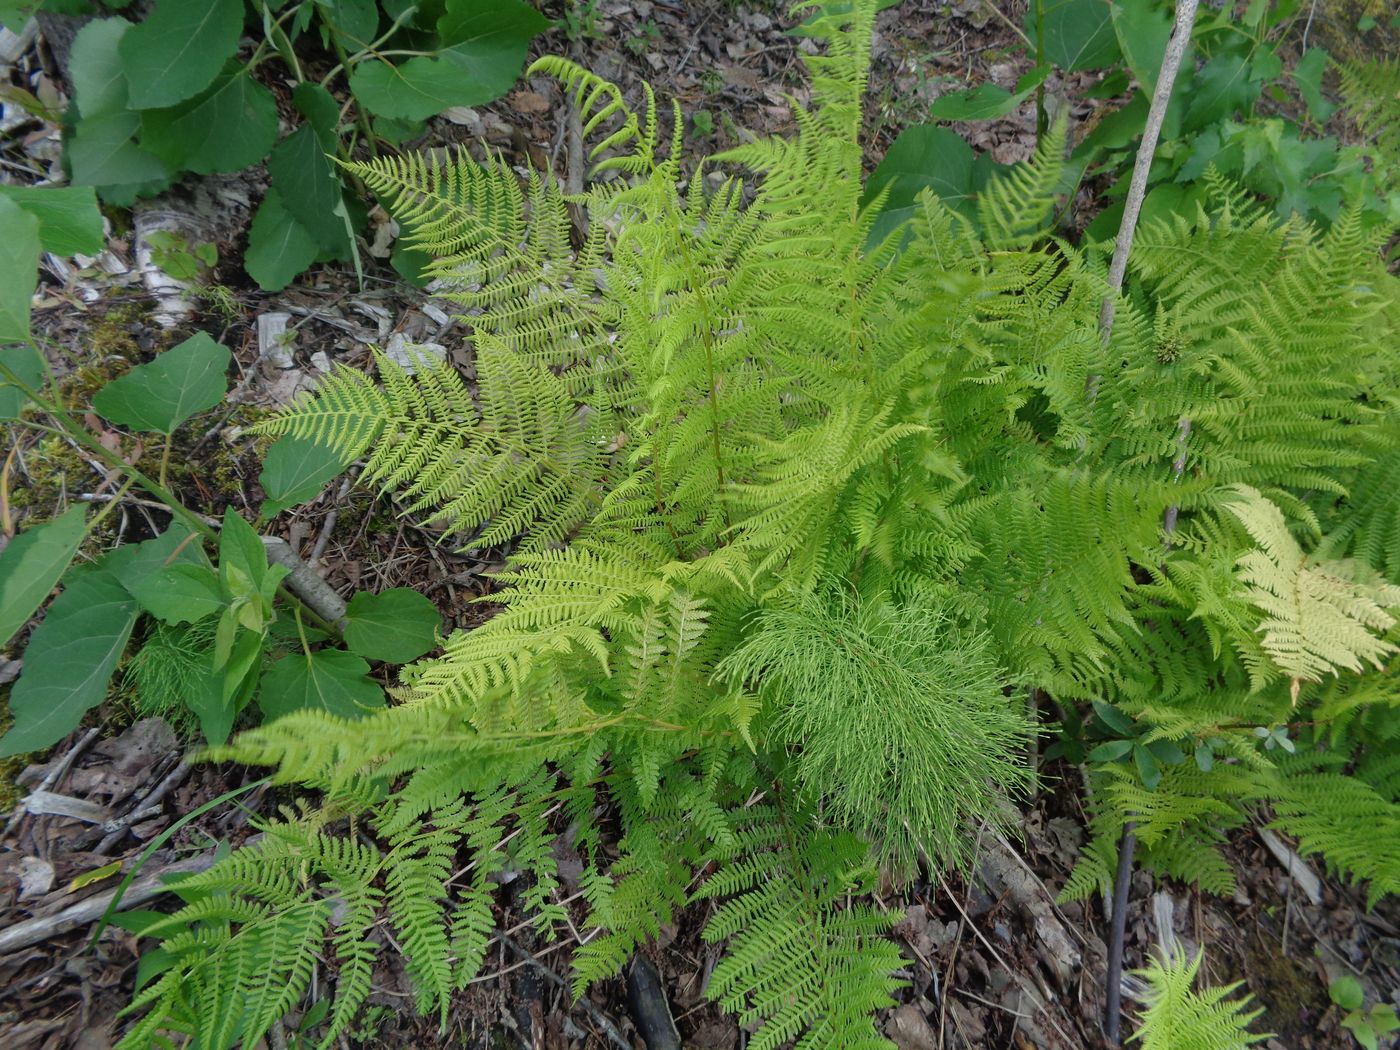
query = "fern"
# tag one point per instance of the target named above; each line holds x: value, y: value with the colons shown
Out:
x: 1316, y: 619
x: 789, y: 517
x: 800, y: 960
x: 1371, y: 89
x: 1178, y: 1018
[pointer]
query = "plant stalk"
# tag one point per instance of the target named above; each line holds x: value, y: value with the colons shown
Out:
x: 1142, y: 165
x: 1118, y: 267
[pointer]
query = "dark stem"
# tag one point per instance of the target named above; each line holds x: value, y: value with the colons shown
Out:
x: 1042, y: 119
x: 1113, y: 997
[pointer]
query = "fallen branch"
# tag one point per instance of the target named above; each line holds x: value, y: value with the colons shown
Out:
x: 33, y: 931
x: 303, y: 581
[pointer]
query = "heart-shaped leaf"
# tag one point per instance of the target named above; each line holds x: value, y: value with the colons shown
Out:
x: 180, y: 594
x: 329, y: 680
x: 159, y: 396
x: 294, y: 471
x: 68, y: 217
x: 28, y: 367
x: 178, y: 49
x: 485, y: 46
x: 395, y: 626
x: 279, y: 247
x: 226, y: 128
x: 68, y: 661
x: 19, y: 270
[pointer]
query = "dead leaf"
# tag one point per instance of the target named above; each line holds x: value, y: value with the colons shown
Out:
x: 529, y: 102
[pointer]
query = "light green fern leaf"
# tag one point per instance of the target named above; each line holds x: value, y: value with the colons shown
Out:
x: 1317, y: 616
x: 1179, y: 1018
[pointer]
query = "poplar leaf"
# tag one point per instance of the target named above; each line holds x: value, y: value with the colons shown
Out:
x: 32, y: 564
x: 68, y: 662
x: 161, y: 395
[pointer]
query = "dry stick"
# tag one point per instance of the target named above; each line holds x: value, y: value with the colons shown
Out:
x: 33, y: 931
x: 599, y: 1018
x: 1132, y: 208
x: 1142, y: 165
x: 302, y: 580
x: 54, y: 775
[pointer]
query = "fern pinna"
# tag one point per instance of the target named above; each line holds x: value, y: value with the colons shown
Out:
x: 795, y: 512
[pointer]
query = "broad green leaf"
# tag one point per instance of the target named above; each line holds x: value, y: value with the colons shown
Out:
x: 294, y: 471
x: 484, y: 48
x: 1221, y: 89
x: 1078, y: 33
x: 14, y: 13
x: 322, y: 113
x: 68, y: 661
x: 395, y: 131
x: 1143, y: 28
x: 279, y: 247
x: 329, y: 680
x: 28, y: 366
x: 68, y: 217
x: 242, y: 669
x: 355, y: 20
x: 19, y: 270
x: 1166, y: 752
x: 1112, y: 751
x: 133, y: 563
x: 30, y: 567
x: 1307, y: 74
x: 161, y: 395
x: 1346, y: 992
x: 180, y: 593
x: 99, y: 85
x: 226, y: 128
x: 1147, y: 768
x: 103, y: 153
x: 178, y: 49
x: 214, y: 713
x: 308, y: 188
x: 923, y: 157
x: 242, y: 556
x: 984, y: 102
x: 1115, y: 719
x: 395, y: 626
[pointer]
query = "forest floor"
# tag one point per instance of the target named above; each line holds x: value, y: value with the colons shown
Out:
x: 992, y: 960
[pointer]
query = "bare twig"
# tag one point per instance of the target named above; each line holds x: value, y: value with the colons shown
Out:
x: 609, y: 1029
x: 116, y: 829
x: 1118, y: 267
x: 33, y: 931
x: 55, y: 775
x: 303, y: 581
x: 1142, y: 165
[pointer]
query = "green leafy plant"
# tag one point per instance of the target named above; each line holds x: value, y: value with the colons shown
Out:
x: 179, y: 258
x: 1179, y: 1018
x: 208, y: 631
x: 797, y: 499
x: 172, y: 94
x: 1231, y: 65
x: 1367, y: 1026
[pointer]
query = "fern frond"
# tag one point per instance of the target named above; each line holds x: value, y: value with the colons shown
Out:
x: 1014, y: 206
x: 1178, y: 1018
x: 1316, y: 619
x: 800, y: 962
x: 1343, y: 819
